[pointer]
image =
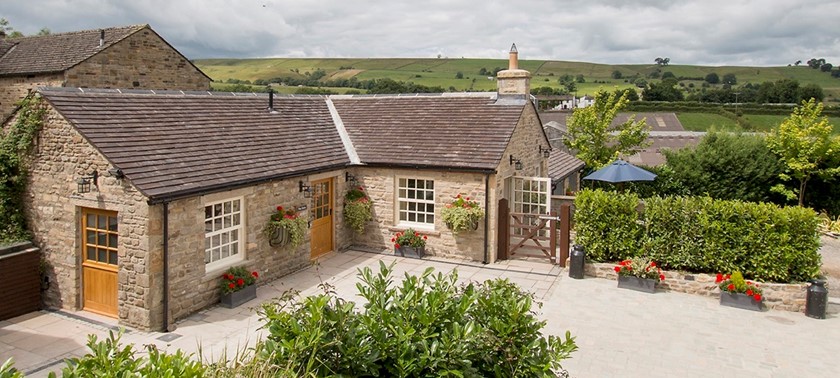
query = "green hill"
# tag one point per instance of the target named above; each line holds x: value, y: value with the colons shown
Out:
x: 442, y: 72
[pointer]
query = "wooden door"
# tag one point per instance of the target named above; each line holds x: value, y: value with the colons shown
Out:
x: 99, y: 261
x: 322, y: 222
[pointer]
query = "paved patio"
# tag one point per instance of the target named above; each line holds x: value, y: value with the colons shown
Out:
x: 619, y: 332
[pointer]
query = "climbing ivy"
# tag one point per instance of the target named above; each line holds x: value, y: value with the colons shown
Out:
x: 15, y: 145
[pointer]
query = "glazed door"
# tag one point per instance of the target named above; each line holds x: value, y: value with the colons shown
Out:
x: 322, y: 222
x: 99, y: 261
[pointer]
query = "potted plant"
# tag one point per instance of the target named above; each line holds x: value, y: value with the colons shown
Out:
x: 285, y: 227
x: 238, y: 286
x: 640, y: 274
x: 409, y: 244
x: 357, y: 209
x: 739, y: 293
x: 462, y: 214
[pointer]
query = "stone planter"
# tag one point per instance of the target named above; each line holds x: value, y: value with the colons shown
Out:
x: 279, y: 237
x: 414, y: 253
x: 236, y: 298
x: 740, y: 300
x: 645, y: 285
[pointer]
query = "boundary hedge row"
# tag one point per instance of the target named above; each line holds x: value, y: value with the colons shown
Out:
x: 701, y: 234
x: 704, y: 107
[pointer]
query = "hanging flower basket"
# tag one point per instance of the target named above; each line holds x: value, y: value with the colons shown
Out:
x: 357, y: 209
x: 462, y: 214
x: 285, y: 227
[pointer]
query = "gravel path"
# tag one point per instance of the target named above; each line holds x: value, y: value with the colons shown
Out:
x: 830, y: 252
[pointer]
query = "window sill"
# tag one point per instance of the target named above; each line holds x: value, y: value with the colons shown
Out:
x: 216, y: 271
x: 422, y: 231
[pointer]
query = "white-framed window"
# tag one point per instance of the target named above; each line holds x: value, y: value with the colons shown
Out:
x: 416, y: 202
x: 223, y: 233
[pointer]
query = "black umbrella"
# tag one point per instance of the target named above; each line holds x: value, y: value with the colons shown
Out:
x: 620, y: 172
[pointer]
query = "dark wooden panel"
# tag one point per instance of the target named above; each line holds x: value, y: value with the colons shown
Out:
x: 20, y: 287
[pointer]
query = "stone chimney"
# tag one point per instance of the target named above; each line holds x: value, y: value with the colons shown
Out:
x: 514, y: 81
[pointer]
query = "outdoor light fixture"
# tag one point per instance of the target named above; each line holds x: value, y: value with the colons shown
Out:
x: 515, y: 163
x: 350, y: 178
x: 85, y: 181
x: 116, y: 173
x: 305, y: 189
x: 546, y: 152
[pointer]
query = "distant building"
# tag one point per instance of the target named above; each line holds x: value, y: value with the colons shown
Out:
x: 129, y: 57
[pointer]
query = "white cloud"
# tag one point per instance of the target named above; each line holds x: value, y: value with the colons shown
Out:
x: 717, y: 32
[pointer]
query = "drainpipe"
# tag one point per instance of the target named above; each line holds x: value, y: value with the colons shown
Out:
x: 486, y: 218
x: 166, y: 267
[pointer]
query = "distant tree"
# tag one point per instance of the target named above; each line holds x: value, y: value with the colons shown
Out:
x: 803, y: 143
x: 482, y: 71
x: 826, y: 67
x: 729, y: 79
x: 783, y: 91
x: 816, y: 63
x: 809, y: 91
x: 580, y: 79
x: 662, y: 61
x: 665, y: 90
x: 593, y: 138
x: 565, y: 78
x: 459, y: 75
x: 571, y: 87
x: 641, y: 83
x: 836, y: 73
x: 616, y: 74
x: 630, y: 93
x: 8, y: 29
x: 712, y: 78
x: 496, y: 70
x: 653, y: 75
x: 668, y: 75
x: 44, y: 31
x: 797, y: 63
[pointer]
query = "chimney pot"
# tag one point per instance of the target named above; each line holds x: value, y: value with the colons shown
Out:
x: 513, y: 63
x: 101, y: 37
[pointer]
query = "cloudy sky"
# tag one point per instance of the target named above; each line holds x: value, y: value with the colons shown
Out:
x: 707, y: 32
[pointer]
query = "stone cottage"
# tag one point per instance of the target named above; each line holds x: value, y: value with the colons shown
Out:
x: 140, y: 200
x: 120, y: 57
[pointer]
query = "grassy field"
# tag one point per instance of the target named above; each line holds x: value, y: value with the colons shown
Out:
x: 761, y: 122
x: 442, y: 72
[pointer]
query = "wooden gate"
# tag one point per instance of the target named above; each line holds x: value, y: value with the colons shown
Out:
x: 527, y: 227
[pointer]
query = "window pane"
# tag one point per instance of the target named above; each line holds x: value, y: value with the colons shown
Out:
x: 91, y: 237
x: 412, y: 217
x: 412, y: 206
x: 91, y: 220
x: 208, y: 226
x: 112, y: 223
x: 236, y: 219
x: 412, y: 183
x: 430, y: 218
x: 403, y: 205
x: 101, y: 255
x: 402, y: 193
x: 227, y: 207
x: 103, y: 222
x: 112, y: 240
x: 101, y: 238
x: 430, y: 196
x: 236, y: 206
x: 215, y: 255
x: 412, y: 194
x: 91, y: 253
x: 207, y: 256
x: 225, y: 238
x: 234, y: 235
x: 227, y: 221
x: 420, y: 184
x: 216, y: 240
x: 403, y: 216
x: 217, y: 209
x: 208, y: 212
x: 234, y: 248
x: 217, y: 224
x: 225, y: 251
x: 430, y: 184
x: 112, y: 257
x: 206, y: 243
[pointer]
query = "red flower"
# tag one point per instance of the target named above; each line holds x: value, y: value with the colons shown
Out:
x: 396, y: 246
x: 231, y: 285
x: 617, y: 269
x: 468, y: 198
x: 416, y: 233
x: 255, y: 274
x: 719, y: 278
x: 279, y: 208
x: 757, y: 297
x: 458, y: 196
x: 362, y: 189
x: 662, y: 277
x: 425, y: 237
x: 240, y: 282
x: 653, y: 264
x: 393, y: 239
x: 731, y: 287
x: 749, y: 292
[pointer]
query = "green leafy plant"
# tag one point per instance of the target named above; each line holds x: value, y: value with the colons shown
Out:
x: 237, y: 278
x: 289, y: 221
x: 357, y: 209
x: 641, y: 267
x: 107, y: 358
x: 827, y: 224
x: 424, y: 326
x: 7, y: 370
x: 15, y: 144
x: 735, y: 283
x: 409, y: 238
x: 462, y: 214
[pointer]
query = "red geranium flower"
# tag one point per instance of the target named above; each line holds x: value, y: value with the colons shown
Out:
x: 425, y: 237
x: 757, y: 297
x: 653, y: 264
x: 731, y: 287
x: 719, y: 278
x: 617, y: 269
x: 240, y: 282
x: 231, y: 285
x: 662, y: 277
x: 279, y: 208
x: 255, y: 274
x: 396, y: 246
x: 749, y: 292
x: 393, y: 239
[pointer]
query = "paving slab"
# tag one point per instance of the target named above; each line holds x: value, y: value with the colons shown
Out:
x: 619, y: 332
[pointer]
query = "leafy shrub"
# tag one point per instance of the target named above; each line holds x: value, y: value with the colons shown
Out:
x: 7, y: 370
x: 15, y: 145
x: 107, y: 358
x: 462, y: 214
x: 700, y: 234
x: 427, y: 326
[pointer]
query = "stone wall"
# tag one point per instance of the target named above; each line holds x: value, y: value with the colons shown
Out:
x: 381, y: 185
x: 13, y: 89
x: 143, y: 60
x: 54, y: 210
x: 192, y: 287
x: 787, y: 297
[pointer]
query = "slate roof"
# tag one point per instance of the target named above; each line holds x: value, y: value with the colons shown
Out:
x: 175, y: 144
x: 57, y: 52
x: 561, y: 164
x: 443, y: 131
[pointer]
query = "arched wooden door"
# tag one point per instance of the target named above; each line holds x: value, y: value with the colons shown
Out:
x: 322, y: 222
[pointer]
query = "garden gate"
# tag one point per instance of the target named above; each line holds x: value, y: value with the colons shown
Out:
x: 528, y: 228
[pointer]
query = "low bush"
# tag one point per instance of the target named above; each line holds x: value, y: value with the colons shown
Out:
x: 427, y: 326
x: 700, y: 234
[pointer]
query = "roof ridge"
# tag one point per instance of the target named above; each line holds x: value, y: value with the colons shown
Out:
x: 74, y: 32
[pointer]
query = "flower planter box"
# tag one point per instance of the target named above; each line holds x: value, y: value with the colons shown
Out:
x: 645, y: 285
x: 740, y: 300
x: 415, y: 253
x: 236, y: 298
x: 279, y: 237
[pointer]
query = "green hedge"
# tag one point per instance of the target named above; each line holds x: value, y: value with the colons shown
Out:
x: 706, y: 107
x: 701, y: 234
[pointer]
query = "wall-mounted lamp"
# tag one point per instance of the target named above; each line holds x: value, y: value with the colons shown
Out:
x: 85, y: 181
x: 546, y: 152
x: 516, y: 163
x: 116, y: 173
x: 305, y: 189
x: 350, y: 178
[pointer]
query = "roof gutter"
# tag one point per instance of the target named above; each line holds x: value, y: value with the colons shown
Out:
x: 429, y: 167
x: 487, y: 219
x: 154, y: 200
x: 165, y: 327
